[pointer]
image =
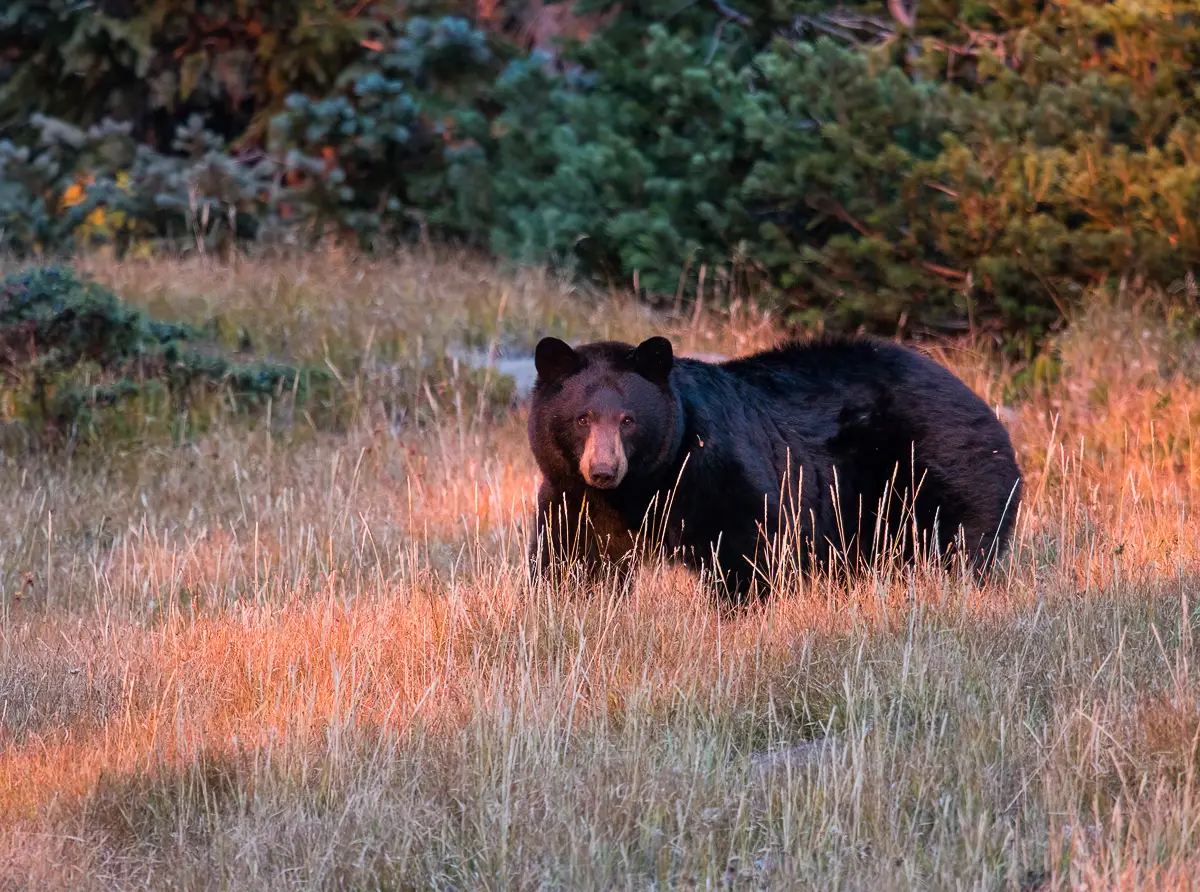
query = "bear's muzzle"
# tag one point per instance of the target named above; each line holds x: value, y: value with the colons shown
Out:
x: 604, y: 462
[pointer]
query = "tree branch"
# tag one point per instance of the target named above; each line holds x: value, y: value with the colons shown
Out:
x: 731, y: 14
x: 862, y: 229
x: 902, y: 14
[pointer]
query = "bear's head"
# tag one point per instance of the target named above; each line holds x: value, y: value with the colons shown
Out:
x: 604, y: 413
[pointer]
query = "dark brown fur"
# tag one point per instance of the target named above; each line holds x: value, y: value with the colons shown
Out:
x: 851, y: 424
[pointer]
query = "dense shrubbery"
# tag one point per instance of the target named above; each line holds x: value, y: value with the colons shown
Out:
x: 395, y: 147
x: 976, y: 166
x: 73, y: 356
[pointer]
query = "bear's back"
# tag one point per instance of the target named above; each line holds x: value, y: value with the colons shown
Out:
x: 842, y: 367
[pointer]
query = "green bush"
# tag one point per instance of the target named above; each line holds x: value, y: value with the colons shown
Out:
x: 74, y: 188
x: 75, y: 356
x: 979, y: 166
x: 1071, y: 159
x: 155, y: 113
x: 635, y: 167
x: 396, y: 148
x: 153, y: 64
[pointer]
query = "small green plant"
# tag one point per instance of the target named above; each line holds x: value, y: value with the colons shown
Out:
x: 72, y: 354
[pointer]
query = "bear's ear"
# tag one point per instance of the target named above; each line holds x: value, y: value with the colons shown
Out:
x: 653, y: 359
x: 554, y: 360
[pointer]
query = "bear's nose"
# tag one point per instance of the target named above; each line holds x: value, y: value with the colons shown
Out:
x: 602, y: 475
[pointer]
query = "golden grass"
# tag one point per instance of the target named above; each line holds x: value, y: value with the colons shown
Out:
x: 265, y: 663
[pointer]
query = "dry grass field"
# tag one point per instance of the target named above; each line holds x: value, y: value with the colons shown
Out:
x: 289, y: 658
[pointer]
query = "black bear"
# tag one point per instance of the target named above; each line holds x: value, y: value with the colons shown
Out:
x: 828, y: 440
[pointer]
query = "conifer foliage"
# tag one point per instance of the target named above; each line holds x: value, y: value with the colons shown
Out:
x: 73, y: 356
x: 866, y: 164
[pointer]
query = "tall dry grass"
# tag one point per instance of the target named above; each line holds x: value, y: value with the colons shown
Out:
x: 266, y: 662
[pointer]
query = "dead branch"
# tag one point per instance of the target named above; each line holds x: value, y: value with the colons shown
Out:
x: 845, y: 25
x: 902, y: 14
x: 732, y: 14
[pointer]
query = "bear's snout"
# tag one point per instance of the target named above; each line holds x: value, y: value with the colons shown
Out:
x: 604, y: 462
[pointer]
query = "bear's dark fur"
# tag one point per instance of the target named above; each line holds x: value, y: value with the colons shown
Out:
x: 852, y: 424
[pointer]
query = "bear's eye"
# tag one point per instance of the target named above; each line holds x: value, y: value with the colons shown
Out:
x: 583, y: 420
x: 627, y: 421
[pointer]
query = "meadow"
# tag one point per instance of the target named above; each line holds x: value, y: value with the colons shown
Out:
x: 286, y: 657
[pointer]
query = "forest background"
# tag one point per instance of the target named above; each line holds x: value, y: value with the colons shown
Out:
x: 951, y: 166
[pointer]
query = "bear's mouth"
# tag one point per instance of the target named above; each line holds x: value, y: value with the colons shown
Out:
x: 602, y: 481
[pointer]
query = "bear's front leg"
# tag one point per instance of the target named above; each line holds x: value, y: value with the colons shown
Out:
x: 576, y: 531
x: 554, y: 539
x: 730, y: 563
